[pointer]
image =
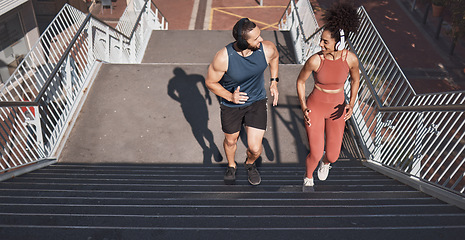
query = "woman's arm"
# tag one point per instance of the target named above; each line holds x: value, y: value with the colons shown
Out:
x: 310, y: 65
x: 354, y: 83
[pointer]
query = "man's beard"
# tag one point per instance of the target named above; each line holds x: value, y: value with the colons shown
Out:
x: 254, y: 48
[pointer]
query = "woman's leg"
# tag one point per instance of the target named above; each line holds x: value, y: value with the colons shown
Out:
x: 315, y: 134
x: 334, y: 133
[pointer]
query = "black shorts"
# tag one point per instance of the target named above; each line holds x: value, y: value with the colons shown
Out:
x: 254, y: 115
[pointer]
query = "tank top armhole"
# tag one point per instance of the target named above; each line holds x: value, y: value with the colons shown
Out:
x: 263, y: 51
x: 322, y: 60
x: 344, y: 58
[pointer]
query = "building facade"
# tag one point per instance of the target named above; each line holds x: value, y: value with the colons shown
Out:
x: 18, y: 33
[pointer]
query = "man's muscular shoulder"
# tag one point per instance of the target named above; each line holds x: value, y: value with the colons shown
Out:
x: 270, y: 50
x: 220, y: 61
x: 269, y: 46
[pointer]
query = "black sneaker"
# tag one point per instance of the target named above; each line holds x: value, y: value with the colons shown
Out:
x: 230, y: 175
x: 252, y: 172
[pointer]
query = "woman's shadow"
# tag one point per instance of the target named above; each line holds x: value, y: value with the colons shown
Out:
x: 184, y: 89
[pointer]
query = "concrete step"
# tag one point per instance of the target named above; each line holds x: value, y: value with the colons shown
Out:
x: 190, y: 201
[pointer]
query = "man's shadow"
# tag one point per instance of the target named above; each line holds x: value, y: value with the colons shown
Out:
x: 184, y: 89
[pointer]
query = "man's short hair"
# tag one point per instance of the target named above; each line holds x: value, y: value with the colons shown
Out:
x: 247, y: 26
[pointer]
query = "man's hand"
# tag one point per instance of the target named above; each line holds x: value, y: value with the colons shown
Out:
x: 239, y: 97
x: 274, y: 93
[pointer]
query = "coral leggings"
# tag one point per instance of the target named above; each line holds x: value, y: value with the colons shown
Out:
x: 326, y: 116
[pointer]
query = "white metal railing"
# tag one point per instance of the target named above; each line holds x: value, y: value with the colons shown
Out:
x: 419, y: 135
x: 39, y: 99
x: 299, y: 20
x: 422, y: 135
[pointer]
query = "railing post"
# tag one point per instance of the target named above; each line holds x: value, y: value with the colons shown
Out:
x: 378, y: 141
x: 68, y: 76
x: 90, y: 36
x: 121, y: 49
x: 107, y: 39
x: 420, y: 134
x: 425, y: 15
x: 39, y: 134
x: 132, y: 51
x: 413, y: 5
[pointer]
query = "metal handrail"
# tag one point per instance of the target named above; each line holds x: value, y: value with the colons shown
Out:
x: 315, y: 33
x: 292, y: 21
x: 63, y: 58
x: 57, y: 72
x: 300, y: 21
x: 61, y: 61
x: 419, y: 136
x: 138, y: 19
x: 284, y: 13
x: 381, y: 108
x: 163, y: 16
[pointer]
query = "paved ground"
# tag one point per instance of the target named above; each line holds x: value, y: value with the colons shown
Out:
x: 204, y: 48
x: 423, y: 58
x: 179, y: 117
x: 158, y: 87
x: 179, y: 122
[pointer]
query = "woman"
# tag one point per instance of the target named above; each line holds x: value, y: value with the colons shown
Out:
x: 325, y: 110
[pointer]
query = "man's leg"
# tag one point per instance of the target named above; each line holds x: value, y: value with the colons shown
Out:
x: 254, y: 141
x: 230, y: 146
x: 254, y: 149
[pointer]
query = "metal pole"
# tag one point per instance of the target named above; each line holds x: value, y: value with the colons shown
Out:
x: 438, y: 29
x: 413, y: 5
x: 452, y: 46
x: 425, y: 16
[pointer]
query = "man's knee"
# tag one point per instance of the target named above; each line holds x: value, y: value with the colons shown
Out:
x: 230, y: 142
x: 255, y: 150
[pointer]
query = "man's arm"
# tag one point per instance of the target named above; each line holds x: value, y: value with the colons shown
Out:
x: 216, y: 70
x: 272, y: 57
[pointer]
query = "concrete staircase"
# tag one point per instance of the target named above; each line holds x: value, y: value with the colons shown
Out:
x: 185, y: 201
x: 144, y: 161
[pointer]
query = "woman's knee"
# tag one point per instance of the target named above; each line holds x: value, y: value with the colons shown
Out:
x: 332, y: 157
x: 314, y: 157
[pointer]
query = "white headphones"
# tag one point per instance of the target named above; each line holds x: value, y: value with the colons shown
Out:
x: 341, y: 44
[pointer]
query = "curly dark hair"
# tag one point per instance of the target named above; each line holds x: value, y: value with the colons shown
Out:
x: 342, y: 15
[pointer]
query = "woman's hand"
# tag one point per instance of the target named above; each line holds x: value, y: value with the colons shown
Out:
x: 349, y: 110
x: 306, y: 111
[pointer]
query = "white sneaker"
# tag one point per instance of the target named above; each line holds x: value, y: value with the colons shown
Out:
x: 308, y: 185
x: 323, y: 171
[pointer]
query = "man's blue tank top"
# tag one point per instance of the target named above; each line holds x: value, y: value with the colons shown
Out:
x: 246, y: 72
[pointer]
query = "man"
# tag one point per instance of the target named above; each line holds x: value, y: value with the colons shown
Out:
x: 236, y: 75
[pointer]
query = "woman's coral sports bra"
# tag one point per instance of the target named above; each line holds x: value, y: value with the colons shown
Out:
x: 332, y: 74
